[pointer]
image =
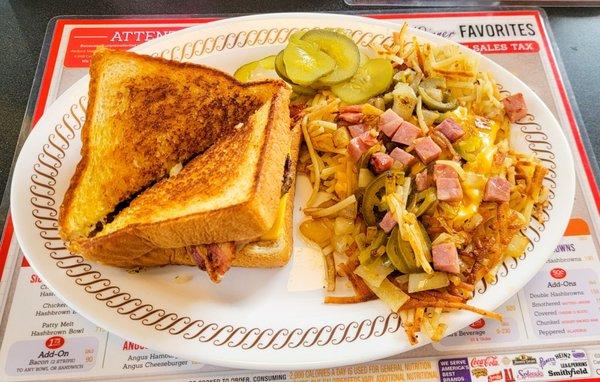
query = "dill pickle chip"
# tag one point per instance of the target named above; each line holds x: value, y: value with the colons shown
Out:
x: 339, y: 47
x: 256, y: 70
x: 280, y: 69
x: 296, y: 36
x: 371, y: 79
x: 304, y: 64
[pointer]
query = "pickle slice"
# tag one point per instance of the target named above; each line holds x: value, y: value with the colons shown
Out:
x: 371, y: 79
x: 280, y: 69
x: 319, y: 85
x: 304, y: 64
x: 257, y: 70
x: 339, y: 47
x: 296, y: 36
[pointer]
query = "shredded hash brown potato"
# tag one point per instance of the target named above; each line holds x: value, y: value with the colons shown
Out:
x: 349, y: 199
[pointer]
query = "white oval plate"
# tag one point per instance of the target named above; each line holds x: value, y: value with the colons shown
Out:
x: 256, y: 318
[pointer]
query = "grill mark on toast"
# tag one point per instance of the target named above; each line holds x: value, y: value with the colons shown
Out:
x: 126, y: 202
x: 118, y: 208
x: 287, y: 176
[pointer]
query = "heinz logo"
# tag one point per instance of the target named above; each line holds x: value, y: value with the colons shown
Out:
x: 491, y: 360
x: 558, y: 273
x: 478, y: 324
x: 55, y: 342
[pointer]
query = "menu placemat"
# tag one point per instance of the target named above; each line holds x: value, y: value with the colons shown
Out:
x: 551, y: 329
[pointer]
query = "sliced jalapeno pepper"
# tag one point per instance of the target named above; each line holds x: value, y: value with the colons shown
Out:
x: 374, y: 193
x: 393, y: 252
x: 434, y: 104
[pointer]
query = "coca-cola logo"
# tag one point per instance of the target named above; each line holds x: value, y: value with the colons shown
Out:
x: 488, y: 361
x: 478, y: 324
x: 558, y: 273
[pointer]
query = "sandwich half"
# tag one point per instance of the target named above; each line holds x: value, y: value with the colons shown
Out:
x: 272, y: 249
x: 180, y: 164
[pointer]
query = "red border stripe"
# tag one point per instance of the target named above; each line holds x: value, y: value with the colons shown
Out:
x: 5, y: 243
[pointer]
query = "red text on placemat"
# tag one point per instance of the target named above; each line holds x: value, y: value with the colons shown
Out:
x: 83, y: 41
x: 487, y: 47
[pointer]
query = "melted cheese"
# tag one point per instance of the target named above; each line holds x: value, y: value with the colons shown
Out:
x: 480, y: 169
x: 275, y: 231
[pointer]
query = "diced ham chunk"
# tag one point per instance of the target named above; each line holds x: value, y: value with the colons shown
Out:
x: 515, y: 107
x: 367, y: 138
x: 497, y: 189
x: 381, y: 162
x: 443, y: 171
x: 403, y: 157
x: 423, y: 180
x: 406, y: 133
x: 358, y: 145
x: 353, y: 118
x: 452, y: 130
x: 356, y: 148
x: 389, y: 122
x: 356, y: 130
x: 427, y: 150
x: 448, y: 189
x: 388, y: 222
x: 445, y: 258
x: 351, y: 109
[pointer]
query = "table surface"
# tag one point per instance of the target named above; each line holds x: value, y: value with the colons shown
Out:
x: 23, y: 24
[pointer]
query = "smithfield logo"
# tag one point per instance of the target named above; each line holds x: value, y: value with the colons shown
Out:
x: 543, y: 361
x: 530, y: 373
x: 488, y: 361
x: 524, y: 359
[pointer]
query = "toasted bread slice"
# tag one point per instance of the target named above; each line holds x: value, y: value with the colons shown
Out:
x: 229, y: 193
x: 146, y: 115
x: 257, y: 253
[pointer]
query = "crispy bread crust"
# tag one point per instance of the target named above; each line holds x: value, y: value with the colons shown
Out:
x: 261, y: 254
x: 67, y: 231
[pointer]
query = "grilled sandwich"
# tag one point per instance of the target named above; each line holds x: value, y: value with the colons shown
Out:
x: 181, y: 164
